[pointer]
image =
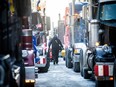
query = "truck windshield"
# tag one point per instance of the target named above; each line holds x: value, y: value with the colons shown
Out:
x: 107, y: 12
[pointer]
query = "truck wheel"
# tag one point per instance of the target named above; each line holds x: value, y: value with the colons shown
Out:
x: 69, y: 63
x: 81, y: 62
x: 66, y: 58
x: 76, y: 67
x: 85, y: 73
x: 81, y: 71
x: 66, y: 62
x: 45, y: 69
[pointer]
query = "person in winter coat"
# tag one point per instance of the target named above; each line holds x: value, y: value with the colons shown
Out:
x: 56, y: 46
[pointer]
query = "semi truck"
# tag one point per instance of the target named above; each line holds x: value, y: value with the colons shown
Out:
x: 41, y: 60
x: 98, y: 59
x: 16, y: 52
x: 72, y: 57
x: 98, y: 55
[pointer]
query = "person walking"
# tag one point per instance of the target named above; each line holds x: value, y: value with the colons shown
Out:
x: 56, y: 47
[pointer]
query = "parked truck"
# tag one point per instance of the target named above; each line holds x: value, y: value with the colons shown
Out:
x: 72, y: 57
x: 16, y: 67
x: 98, y: 55
x: 98, y: 59
x: 41, y: 60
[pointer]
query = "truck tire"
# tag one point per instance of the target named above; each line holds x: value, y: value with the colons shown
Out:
x: 76, y: 66
x: 45, y: 69
x: 66, y: 58
x: 81, y: 63
x: 69, y: 63
x: 85, y: 73
x: 81, y: 71
x: 66, y: 61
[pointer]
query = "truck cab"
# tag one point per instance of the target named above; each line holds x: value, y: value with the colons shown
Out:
x: 107, y: 18
x: 101, y: 30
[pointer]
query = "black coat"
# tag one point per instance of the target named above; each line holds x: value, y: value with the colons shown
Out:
x: 56, y: 44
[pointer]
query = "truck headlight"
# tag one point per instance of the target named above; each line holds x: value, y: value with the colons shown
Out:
x: 97, y: 44
x: 75, y: 51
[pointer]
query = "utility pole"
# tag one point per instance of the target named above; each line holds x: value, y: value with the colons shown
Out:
x: 72, y: 22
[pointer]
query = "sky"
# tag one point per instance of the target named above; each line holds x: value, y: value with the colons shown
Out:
x: 54, y: 7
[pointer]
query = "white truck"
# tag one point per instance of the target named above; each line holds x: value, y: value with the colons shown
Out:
x: 73, y: 56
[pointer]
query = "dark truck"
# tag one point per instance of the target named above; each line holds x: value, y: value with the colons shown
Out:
x: 98, y: 61
x: 13, y: 19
